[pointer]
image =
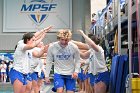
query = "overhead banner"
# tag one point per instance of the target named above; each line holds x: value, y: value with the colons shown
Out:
x: 33, y: 15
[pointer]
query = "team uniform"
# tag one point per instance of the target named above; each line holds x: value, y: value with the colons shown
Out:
x: 98, y: 69
x: 90, y: 60
x: 83, y: 76
x: 35, y: 64
x: 66, y: 62
x: 21, y: 67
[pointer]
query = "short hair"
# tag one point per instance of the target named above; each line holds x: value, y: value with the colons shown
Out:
x: 95, y: 39
x: 64, y: 33
x: 27, y: 36
x: 15, y: 47
x: 90, y: 35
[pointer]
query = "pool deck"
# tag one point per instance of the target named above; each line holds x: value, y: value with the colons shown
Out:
x: 7, y: 88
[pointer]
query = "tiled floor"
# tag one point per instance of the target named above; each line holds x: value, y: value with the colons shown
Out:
x: 7, y: 88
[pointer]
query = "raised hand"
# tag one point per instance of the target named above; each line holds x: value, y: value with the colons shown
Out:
x: 46, y: 48
x: 48, y: 28
x: 81, y: 32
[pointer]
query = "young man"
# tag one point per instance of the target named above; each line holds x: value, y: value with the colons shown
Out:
x: 66, y: 58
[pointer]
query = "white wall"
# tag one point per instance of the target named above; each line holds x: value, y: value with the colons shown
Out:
x: 97, y: 5
x: 80, y: 20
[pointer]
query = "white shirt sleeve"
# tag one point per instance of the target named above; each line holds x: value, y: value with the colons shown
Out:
x: 77, y: 59
x: 49, y: 61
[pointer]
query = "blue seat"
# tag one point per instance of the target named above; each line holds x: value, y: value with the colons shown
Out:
x: 125, y: 73
x: 121, y: 74
x: 113, y: 74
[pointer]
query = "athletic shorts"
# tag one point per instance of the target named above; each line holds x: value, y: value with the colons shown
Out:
x: 18, y: 75
x: 42, y: 76
x: 34, y: 76
x: 82, y: 76
x: 104, y: 77
x: 64, y: 80
x: 2, y: 73
x: 92, y: 78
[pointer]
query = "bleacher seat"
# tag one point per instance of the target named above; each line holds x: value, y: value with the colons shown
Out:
x: 113, y: 74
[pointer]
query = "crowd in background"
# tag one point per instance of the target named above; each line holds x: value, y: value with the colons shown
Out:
x: 5, y: 67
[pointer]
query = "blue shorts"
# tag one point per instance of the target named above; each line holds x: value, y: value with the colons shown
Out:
x: 34, y: 76
x: 104, y: 77
x: 3, y: 73
x: 82, y: 76
x: 92, y: 78
x: 18, y: 75
x: 42, y: 76
x: 64, y: 80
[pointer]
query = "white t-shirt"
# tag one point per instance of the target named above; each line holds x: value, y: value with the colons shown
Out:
x: 21, y: 58
x: 97, y: 61
x: 66, y: 60
x: 3, y: 67
x: 85, y: 64
x: 90, y: 61
x: 40, y: 68
x: 10, y: 66
x: 34, y: 61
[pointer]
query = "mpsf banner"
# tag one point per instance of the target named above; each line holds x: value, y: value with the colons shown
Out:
x: 32, y: 15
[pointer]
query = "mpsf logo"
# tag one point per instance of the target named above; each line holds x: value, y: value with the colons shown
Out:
x: 38, y: 10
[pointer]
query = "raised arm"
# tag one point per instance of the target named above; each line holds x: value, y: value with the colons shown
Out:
x: 40, y: 53
x: 84, y: 54
x: 89, y: 41
x: 34, y: 43
x: 81, y: 45
x: 45, y: 30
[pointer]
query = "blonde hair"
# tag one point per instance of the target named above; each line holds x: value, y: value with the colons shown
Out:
x: 64, y: 33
